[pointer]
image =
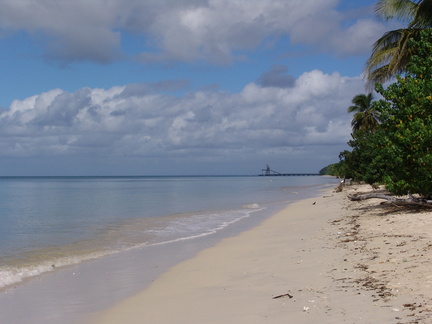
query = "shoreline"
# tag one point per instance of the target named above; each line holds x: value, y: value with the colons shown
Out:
x: 324, y: 259
x: 123, y: 224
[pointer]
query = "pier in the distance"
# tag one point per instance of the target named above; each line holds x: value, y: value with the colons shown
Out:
x: 267, y: 172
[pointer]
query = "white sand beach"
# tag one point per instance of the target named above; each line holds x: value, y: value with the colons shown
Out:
x: 320, y: 260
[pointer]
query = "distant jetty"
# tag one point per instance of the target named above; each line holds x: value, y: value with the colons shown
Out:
x: 267, y: 172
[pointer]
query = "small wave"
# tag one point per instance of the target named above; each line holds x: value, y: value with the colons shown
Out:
x: 252, y: 206
x: 209, y: 232
x: 217, y: 226
x: 10, y: 275
x: 122, y: 238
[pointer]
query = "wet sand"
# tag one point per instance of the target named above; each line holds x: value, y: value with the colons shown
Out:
x: 320, y: 260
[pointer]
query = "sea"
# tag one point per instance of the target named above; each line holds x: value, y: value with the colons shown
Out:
x: 119, y: 233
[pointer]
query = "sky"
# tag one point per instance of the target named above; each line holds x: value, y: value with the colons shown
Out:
x: 179, y: 87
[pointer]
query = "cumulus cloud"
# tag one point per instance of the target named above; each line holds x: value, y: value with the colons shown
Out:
x: 136, y: 120
x: 209, y: 30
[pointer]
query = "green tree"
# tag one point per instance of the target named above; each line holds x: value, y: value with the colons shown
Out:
x: 366, y: 117
x: 405, y: 137
x: 367, y: 161
x: 391, y: 52
x: 340, y: 169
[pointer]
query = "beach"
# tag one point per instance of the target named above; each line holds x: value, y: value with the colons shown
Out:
x: 320, y: 260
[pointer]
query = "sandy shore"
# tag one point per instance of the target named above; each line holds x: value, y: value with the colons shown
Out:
x: 320, y: 260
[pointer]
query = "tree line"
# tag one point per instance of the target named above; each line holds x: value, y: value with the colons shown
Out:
x: 391, y: 139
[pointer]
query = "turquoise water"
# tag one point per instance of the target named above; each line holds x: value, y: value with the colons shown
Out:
x: 52, y: 222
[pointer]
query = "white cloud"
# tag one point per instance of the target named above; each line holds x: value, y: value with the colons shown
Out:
x: 71, y: 30
x: 119, y: 122
x: 208, y: 30
x: 358, y: 38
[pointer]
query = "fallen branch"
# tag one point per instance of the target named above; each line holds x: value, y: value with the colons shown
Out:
x: 390, y: 199
x: 284, y: 295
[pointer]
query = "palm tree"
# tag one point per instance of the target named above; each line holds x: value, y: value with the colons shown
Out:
x: 366, y: 117
x: 390, y: 53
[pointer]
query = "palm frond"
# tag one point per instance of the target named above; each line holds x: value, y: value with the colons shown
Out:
x: 377, y: 66
x: 365, y: 117
x: 423, y: 15
x: 404, y: 10
x: 379, y: 75
x: 391, y: 53
x: 383, y: 49
x: 389, y: 56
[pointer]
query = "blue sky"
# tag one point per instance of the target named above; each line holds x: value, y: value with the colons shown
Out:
x: 177, y: 87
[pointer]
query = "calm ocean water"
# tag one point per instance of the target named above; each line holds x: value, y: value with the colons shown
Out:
x: 52, y: 222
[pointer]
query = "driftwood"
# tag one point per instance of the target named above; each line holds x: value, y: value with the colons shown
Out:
x: 340, y: 187
x: 394, y: 200
x: 284, y: 295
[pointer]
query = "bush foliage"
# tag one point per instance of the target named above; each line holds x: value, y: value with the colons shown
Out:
x: 398, y: 153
